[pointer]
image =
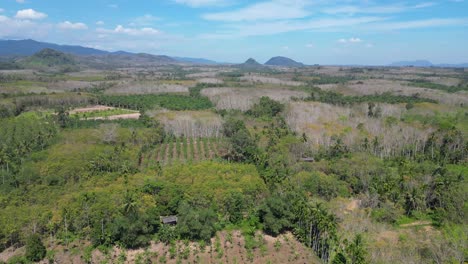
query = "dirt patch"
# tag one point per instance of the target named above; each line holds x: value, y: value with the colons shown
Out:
x: 11, y: 252
x: 353, y: 205
x: 417, y: 223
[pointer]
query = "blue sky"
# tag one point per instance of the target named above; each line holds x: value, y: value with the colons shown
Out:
x: 311, y: 31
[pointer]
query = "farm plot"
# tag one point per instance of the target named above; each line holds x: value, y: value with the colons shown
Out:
x: 244, y: 98
x: 147, y: 88
x: 100, y: 112
x: 25, y: 86
x: 269, y: 80
x: 185, y: 150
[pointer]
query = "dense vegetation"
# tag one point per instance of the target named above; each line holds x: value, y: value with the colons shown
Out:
x: 436, y: 86
x: 339, y: 99
x: 145, y: 102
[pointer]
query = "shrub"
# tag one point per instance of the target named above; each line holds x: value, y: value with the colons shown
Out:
x: 35, y: 250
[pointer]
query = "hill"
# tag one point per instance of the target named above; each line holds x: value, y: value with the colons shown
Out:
x: 49, y: 58
x: 284, y: 62
x: 250, y: 64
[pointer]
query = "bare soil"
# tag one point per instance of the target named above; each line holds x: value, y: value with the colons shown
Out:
x: 228, y: 247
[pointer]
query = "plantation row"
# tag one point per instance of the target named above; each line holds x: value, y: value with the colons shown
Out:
x: 144, y: 102
x: 185, y: 150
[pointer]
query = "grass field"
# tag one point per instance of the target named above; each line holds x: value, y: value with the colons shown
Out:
x: 104, y: 113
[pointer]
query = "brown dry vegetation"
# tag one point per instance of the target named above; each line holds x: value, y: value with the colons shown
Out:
x: 394, y: 244
x: 146, y: 87
x: 244, y: 98
x: 396, y: 87
x: 320, y: 122
x: 269, y: 80
x: 190, y: 123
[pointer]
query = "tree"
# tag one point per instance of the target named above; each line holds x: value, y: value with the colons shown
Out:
x: 196, y: 223
x: 63, y: 117
x: 235, y: 205
x: 275, y: 215
x: 357, y: 251
x: 35, y: 250
x: 266, y: 108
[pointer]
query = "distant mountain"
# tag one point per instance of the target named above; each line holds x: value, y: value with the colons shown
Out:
x: 29, y: 47
x: 195, y: 60
x: 284, y: 62
x: 416, y: 63
x: 425, y: 63
x: 250, y: 64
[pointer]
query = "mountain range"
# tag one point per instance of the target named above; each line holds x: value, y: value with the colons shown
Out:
x: 426, y: 63
x: 29, y: 47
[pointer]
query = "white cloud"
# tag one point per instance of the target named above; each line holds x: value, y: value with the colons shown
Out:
x: 145, y: 20
x: 424, y: 23
x: 73, y: 26
x: 2, y: 10
x: 278, y: 27
x: 30, y: 14
x: 20, y: 1
x: 202, y: 3
x: 285, y: 47
x: 369, y: 45
x: 146, y: 31
x: 376, y: 9
x: 309, y: 45
x: 100, y: 23
x: 273, y: 10
x: 16, y: 28
x: 350, y: 40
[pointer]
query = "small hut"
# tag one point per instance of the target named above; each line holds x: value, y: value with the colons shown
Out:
x: 169, y: 220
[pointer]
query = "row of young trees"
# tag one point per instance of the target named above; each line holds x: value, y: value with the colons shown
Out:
x: 146, y: 102
x: 335, y: 98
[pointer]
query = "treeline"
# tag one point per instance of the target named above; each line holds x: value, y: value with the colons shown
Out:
x: 145, y: 102
x: 441, y: 87
x: 334, y: 98
x: 19, y: 104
